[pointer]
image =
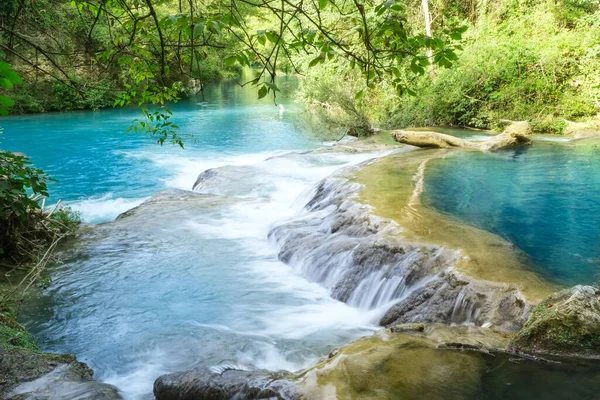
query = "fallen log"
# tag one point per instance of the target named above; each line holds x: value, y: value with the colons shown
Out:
x: 516, y: 133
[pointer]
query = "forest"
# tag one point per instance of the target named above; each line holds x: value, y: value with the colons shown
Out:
x: 288, y: 198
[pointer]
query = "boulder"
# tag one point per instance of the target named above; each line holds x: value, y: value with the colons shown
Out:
x: 27, y: 374
x: 210, y: 384
x: 566, y: 323
x: 516, y: 133
x: 66, y: 381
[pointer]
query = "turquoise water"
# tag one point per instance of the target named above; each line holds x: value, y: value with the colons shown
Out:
x: 102, y: 172
x: 544, y: 198
x: 192, y: 282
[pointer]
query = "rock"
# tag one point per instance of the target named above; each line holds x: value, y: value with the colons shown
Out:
x: 206, y: 384
x: 587, y: 134
x: 366, y: 262
x: 566, y: 323
x: 515, y: 134
x: 412, y: 361
x: 65, y: 382
x: 29, y: 374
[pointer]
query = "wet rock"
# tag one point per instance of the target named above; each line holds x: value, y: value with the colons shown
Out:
x: 365, y: 261
x: 206, y: 384
x: 516, y: 133
x: 565, y: 323
x: 452, y: 298
x: 65, y: 382
x: 27, y: 374
x: 413, y: 361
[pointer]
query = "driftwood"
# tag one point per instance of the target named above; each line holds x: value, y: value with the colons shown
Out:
x: 515, y: 134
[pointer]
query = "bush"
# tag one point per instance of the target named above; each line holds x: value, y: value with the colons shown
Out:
x: 333, y: 104
x: 26, y: 230
x: 532, y: 60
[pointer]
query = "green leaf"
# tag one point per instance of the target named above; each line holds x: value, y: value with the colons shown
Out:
x: 272, y: 86
x: 262, y: 92
x: 7, y: 101
x: 314, y: 62
x: 4, y: 66
x: 272, y: 37
x: 5, y: 83
x: 229, y: 61
x: 323, y: 4
x: 3, y: 111
x: 359, y: 95
x: 456, y: 35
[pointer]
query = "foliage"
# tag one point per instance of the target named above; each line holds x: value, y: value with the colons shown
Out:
x: 337, y: 103
x: 158, y: 45
x: 25, y: 229
x: 520, y: 60
x: 16, y: 177
x: 158, y: 124
x: 525, y: 66
x: 8, y: 79
x: 28, y: 234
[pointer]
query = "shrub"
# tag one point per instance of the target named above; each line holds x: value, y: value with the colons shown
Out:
x: 26, y: 230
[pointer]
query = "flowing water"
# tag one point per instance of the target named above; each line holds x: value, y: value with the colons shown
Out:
x: 183, y: 286
x: 194, y: 279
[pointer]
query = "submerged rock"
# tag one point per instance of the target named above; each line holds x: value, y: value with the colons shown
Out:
x: 208, y: 384
x: 516, y: 133
x: 565, y: 323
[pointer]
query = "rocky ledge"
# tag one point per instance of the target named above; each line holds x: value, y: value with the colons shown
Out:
x: 408, y: 361
x: 26, y: 373
x: 567, y: 323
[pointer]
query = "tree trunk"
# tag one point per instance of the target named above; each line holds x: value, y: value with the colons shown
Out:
x: 425, y: 5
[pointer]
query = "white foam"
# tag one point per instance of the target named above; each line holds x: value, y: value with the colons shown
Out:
x: 104, y: 208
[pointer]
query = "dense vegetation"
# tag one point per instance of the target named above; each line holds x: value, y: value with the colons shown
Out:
x: 514, y: 59
x: 531, y: 60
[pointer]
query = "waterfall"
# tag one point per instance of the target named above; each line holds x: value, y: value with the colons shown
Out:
x: 336, y: 243
x: 465, y: 311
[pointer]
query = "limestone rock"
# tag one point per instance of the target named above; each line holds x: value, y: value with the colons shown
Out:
x: 413, y: 361
x: 65, y: 382
x: 566, y: 323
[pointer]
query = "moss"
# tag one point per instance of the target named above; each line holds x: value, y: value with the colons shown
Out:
x: 19, y: 338
x: 566, y: 323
